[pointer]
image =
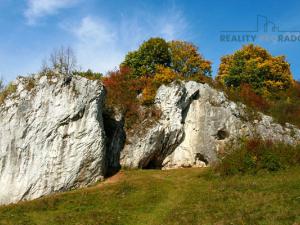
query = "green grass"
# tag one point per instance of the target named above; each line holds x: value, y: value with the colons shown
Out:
x: 186, y: 196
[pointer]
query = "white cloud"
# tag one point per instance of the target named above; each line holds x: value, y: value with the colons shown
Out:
x: 96, y: 44
x: 173, y: 25
x: 101, y: 45
x: 39, y: 8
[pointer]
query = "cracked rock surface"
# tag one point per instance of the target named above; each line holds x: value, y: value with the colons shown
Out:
x: 52, y: 135
x: 51, y: 138
x: 197, y: 122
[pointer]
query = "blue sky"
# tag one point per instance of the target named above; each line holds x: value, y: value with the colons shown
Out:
x: 102, y: 32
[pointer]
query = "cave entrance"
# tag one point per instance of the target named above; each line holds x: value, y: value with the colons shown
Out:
x: 222, y: 134
x: 200, y: 157
x: 153, y: 164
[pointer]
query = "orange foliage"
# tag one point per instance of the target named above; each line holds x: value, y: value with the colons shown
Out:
x: 252, y: 99
x: 121, y: 91
x: 164, y: 75
x: 122, y: 96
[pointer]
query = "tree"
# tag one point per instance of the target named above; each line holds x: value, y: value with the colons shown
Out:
x: 121, y: 92
x: 253, y: 65
x: 150, y: 54
x: 62, y: 60
x: 186, y: 60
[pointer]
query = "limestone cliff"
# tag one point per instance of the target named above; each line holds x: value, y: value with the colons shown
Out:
x: 197, y: 122
x: 51, y: 137
x: 54, y: 135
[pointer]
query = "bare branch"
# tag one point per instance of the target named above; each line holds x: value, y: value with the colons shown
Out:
x: 62, y: 60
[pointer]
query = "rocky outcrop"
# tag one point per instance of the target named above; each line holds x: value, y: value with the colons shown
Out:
x: 51, y: 137
x: 197, y: 122
x: 148, y: 147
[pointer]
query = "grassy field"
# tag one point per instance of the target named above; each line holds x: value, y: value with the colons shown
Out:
x: 186, y: 196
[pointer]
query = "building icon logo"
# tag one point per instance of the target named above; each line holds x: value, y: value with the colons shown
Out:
x: 266, y: 30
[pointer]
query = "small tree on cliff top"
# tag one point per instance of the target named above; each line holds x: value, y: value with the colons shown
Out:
x: 62, y: 60
x: 187, y: 61
x: 151, y: 53
x: 180, y: 56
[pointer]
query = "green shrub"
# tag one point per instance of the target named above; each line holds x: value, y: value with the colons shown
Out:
x: 89, y: 74
x: 255, y: 154
x: 284, y: 108
x: 271, y: 162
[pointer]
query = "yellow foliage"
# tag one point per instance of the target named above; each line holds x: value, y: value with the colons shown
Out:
x: 255, y: 66
x: 164, y: 75
x: 187, y: 61
x: 148, y: 94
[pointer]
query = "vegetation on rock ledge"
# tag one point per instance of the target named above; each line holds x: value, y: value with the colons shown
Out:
x: 255, y: 155
x: 133, y: 87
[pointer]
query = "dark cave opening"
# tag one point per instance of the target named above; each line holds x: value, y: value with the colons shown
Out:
x: 222, y: 134
x: 201, y: 158
x: 153, y: 164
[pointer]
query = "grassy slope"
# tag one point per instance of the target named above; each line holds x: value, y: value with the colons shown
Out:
x: 187, y: 196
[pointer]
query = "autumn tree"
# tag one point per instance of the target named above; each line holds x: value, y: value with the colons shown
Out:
x: 253, y: 65
x: 150, y: 54
x: 186, y: 60
x: 121, y: 91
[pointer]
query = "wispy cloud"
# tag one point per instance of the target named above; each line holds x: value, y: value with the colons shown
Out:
x: 40, y: 8
x: 101, y: 45
x: 96, y: 44
x: 172, y: 25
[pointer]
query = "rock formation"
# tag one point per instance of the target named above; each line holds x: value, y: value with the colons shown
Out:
x: 51, y: 138
x: 197, y: 122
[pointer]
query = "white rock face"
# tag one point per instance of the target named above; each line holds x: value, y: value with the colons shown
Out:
x: 197, y: 122
x: 149, y: 147
x: 51, y: 138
